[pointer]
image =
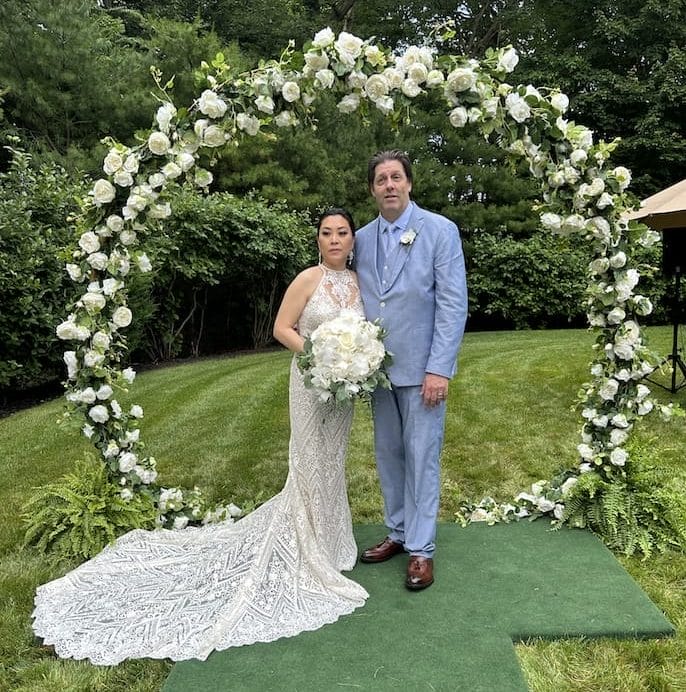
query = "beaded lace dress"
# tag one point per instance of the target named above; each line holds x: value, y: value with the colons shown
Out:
x: 274, y: 573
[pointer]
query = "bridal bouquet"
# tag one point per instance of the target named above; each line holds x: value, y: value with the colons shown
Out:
x: 345, y: 358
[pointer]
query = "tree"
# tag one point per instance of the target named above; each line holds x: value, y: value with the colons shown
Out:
x: 622, y: 64
x: 261, y: 32
x: 56, y: 63
x: 74, y: 75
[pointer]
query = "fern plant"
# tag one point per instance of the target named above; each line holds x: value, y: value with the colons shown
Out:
x: 78, y: 515
x: 641, y: 512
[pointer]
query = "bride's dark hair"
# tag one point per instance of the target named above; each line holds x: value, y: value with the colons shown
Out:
x: 336, y: 211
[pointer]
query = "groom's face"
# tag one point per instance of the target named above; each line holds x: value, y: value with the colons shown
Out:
x: 391, y: 189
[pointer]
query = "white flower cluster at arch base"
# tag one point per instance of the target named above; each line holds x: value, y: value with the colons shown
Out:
x: 582, y: 195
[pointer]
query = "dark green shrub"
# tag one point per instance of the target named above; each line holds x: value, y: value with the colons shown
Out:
x: 34, y: 288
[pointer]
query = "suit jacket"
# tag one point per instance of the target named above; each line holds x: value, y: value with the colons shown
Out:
x: 423, y: 304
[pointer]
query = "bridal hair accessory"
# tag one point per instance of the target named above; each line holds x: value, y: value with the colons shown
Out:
x: 345, y: 358
x: 407, y: 238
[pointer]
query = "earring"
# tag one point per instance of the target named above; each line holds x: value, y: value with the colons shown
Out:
x: 320, y: 257
x: 351, y: 257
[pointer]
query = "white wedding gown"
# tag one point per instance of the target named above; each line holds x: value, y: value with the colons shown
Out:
x: 274, y: 573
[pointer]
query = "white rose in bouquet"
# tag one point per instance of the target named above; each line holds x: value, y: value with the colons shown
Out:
x: 345, y: 358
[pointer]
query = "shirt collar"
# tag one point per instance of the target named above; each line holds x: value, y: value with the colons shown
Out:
x: 400, y: 224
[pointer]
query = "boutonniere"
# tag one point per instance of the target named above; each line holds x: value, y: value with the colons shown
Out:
x: 407, y: 238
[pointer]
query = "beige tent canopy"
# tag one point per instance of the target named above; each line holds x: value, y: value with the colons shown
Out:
x: 664, y: 209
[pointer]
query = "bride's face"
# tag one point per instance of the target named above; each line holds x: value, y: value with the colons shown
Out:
x: 335, y: 239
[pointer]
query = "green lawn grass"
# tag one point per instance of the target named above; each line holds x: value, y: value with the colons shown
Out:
x: 223, y: 424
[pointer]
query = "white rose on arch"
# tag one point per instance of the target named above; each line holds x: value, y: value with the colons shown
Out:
x: 113, y: 162
x: 290, y: 92
x: 348, y: 46
x: 265, y: 104
x: 315, y: 61
x: 507, y: 60
x: 325, y: 78
x: 376, y: 87
x: 324, y: 38
x: 461, y: 79
x: 103, y: 192
x: 560, y: 102
x: 349, y: 103
x: 122, y: 317
x: 165, y: 114
x: 159, y: 143
x: 211, y: 104
x: 458, y: 117
x: 517, y: 107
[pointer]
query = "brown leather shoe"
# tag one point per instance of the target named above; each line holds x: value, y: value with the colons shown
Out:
x: 382, y: 552
x: 420, y: 573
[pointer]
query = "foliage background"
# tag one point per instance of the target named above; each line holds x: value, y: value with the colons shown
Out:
x: 231, y: 254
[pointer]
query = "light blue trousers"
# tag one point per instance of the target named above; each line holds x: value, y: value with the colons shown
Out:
x: 408, y: 437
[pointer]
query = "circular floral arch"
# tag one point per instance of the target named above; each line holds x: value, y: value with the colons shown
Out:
x: 582, y: 195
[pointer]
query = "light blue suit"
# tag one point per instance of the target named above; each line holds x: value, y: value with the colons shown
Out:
x: 423, y: 306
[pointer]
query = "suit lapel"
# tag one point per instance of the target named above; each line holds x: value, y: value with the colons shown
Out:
x: 401, y: 253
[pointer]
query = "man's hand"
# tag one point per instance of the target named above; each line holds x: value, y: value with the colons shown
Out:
x: 434, y: 389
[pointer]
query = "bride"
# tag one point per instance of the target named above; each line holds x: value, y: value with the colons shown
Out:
x: 275, y: 573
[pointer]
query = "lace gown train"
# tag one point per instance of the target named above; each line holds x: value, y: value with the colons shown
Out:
x: 274, y: 573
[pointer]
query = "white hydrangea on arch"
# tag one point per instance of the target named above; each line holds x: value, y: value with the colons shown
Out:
x: 582, y: 195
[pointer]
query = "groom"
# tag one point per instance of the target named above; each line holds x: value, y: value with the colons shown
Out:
x: 412, y: 276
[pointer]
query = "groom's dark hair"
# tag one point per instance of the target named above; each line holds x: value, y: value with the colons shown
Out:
x: 388, y: 155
